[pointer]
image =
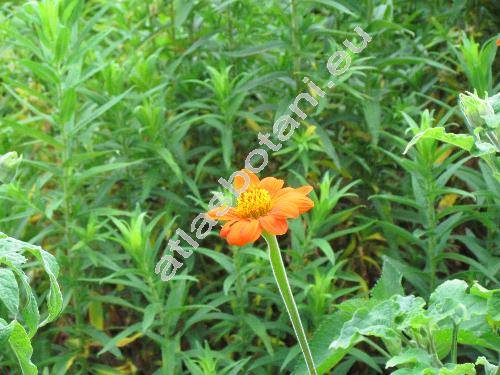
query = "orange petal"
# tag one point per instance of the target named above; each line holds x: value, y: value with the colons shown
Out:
x: 282, y: 192
x: 226, y: 228
x: 239, y: 181
x: 243, y: 232
x: 222, y: 213
x: 272, y: 185
x: 285, y: 210
x: 304, y: 189
x: 303, y: 203
x: 274, y: 225
x: 291, y: 201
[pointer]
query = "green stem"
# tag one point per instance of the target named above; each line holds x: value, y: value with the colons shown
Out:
x: 431, y: 228
x: 454, y: 339
x: 286, y: 293
x: 433, y: 349
x: 172, y: 23
x: 295, y: 39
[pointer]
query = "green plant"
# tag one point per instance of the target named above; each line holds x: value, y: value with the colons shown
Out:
x: 483, y: 120
x: 430, y: 169
x: 477, y: 61
x: 20, y: 316
x: 412, y: 336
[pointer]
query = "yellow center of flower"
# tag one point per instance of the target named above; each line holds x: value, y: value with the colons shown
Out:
x: 254, y: 202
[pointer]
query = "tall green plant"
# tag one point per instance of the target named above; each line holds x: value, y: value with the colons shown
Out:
x: 477, y: 63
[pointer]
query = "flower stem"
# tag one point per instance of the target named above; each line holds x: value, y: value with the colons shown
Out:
x: 286, y: 293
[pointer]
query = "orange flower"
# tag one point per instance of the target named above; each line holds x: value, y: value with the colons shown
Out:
x: 264, y: 206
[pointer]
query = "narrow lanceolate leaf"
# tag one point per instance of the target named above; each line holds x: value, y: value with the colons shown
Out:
x: 94, y: 171
x: 335, y: 5
x: 169, y: 158
x: 42, y: 71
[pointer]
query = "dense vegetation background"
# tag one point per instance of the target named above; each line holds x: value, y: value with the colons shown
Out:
x: 127, y: 112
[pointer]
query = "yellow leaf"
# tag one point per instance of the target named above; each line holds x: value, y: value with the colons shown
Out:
x: 252, y: 124
x: 35, y: 218
x: 70, y: 362
x: 372, y: 261
x: 128, y: 340
x: 96, y: 316
x: 311, y: 130
x: 443, y: 157
x: 447, y: 201
x: 127, y: 368
x: 376, y: 236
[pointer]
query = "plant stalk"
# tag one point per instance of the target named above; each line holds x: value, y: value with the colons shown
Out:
x: 432, y: 347
x: 286, y: 293
x: 295, y: 39
x: 454, y: 339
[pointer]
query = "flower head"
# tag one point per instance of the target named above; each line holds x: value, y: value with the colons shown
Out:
x: 264, y: 206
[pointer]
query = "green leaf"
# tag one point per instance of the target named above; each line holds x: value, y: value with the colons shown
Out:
x: 448, y: 300
x: 54, y: 298
x: 324, y: 357
x: 9, y: 290
x: 462, y: 369
x: 112, y: 343
x: 11, y: 250
x: 21, y: 346
x: 169, y: 158
x: 410, y: 356
x: 335, y: 5
x: 326, y: 248
x: 260, y: 330
x: 328, y: 145
x: 100, y: 169
x: 149, y: 315
x: 494, y: 306
x: 404, y: 60
x: 42, y: 71
x: 255, y: 50
x: 32, y: 132
x: 377, y: 321
x: 93, y: 114
x: 463, y: 141
x: 389, y: 283
x: 182, y: 10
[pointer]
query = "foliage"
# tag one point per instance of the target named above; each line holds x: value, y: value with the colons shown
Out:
x: 117, y: 118
x: 20, y: 317
x: 416, y: 337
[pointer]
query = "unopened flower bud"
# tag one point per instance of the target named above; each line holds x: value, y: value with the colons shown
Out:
x: 8, y: 166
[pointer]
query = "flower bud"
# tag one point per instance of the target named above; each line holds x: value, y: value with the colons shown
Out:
x: 475, y: 110
x: 8, y: 166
